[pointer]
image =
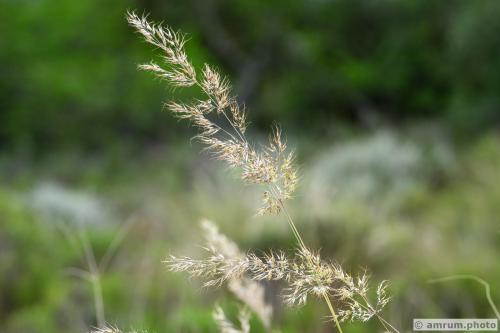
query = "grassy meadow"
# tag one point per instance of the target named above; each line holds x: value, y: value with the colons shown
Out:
x: 437, y: 220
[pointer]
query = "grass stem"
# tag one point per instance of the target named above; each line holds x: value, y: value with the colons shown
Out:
x: 303, y: 247
x: 334, y: 315
x: 486, y: 285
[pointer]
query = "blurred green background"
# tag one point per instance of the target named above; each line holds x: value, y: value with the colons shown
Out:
x: 393, y: 107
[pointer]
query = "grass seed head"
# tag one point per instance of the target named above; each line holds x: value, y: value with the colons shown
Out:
x: 223, y: 134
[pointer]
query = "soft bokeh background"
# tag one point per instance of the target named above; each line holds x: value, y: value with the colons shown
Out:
x: 393, y: 107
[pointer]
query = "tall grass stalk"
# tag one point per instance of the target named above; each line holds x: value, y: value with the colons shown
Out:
x: 92, y: 274
x: 221, y: 121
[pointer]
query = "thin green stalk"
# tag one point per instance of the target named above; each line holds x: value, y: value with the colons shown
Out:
x: 294, y: 228
x: 385, y: 322
x: 98, y: 301
x: 95, y: 278
x: 303, y: 247
x: 334, y: 315
x: 486, y: 285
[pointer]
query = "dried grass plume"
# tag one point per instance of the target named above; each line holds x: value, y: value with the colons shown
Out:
x: 221, y: 120
x: 222, y: 126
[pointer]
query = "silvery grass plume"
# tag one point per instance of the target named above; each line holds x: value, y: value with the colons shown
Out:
x: 222, y: 125
x: 226, y: 326
x: 304, y: 274
x: 271, y: 166
x: 248, y: 291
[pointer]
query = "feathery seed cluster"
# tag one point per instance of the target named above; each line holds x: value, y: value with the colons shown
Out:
x: 304, y: 274
x: 271, y: 166
x: 222, y: 125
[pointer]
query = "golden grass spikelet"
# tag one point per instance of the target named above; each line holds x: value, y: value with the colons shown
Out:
x: 181, y: 72
x: 223, y: 134
x: 216, y: 87
x: 239, y: 116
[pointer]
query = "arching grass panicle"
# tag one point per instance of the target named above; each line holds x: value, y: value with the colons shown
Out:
x: 304, y: 274
x: 181, y: 72
x: 220, y: 119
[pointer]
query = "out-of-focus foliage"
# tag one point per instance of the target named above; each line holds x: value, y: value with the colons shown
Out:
x: 444, y: 224
x: 68, y: 75
x: 409, y: 202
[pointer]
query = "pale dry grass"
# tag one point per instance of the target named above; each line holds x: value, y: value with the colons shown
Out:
x: 245, y: 289
x: 221, y: 120
x: 226, y: 326
x: 222, y: 124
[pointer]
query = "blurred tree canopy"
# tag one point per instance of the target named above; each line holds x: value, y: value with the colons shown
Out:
x: 68, y: 76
